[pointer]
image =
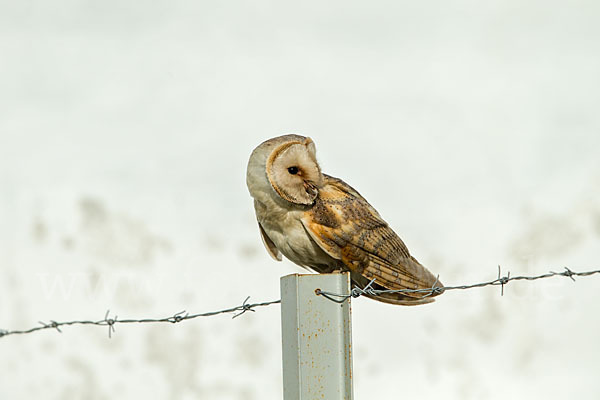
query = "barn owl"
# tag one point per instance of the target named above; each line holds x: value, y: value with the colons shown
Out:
x: 320, y: 223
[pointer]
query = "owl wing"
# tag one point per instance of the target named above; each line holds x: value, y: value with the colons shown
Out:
x: 349, y: 229
x: 269, y: 245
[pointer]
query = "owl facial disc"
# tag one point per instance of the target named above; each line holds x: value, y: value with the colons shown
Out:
x: 293, y: 172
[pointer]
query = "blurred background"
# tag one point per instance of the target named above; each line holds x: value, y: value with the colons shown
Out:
x: 473, y: 128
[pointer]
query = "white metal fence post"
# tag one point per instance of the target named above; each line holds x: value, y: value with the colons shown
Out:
x: 316, y: 337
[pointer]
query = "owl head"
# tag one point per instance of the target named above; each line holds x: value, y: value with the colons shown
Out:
x: 288, y: 166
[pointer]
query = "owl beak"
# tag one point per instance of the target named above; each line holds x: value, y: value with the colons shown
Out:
x: 310, y: 188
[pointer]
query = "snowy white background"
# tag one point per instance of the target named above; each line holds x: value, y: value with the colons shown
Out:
x: 125, y: 127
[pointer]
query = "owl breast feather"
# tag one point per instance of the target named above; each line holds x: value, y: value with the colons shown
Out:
x: 286, y: 231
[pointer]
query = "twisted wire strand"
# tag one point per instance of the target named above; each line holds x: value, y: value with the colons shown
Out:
x: 111, y: 322
x: 434, y: 289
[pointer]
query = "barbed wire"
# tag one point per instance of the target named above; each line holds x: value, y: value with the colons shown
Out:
x: 434, y: 289
x: 111, y: 322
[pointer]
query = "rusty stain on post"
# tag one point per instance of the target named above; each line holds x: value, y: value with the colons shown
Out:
x: 316, y: 338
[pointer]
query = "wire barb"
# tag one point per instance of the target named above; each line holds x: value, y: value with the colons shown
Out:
x: 502, y: 280
x: 177, y: 317
x: 244, y: 307
x: 111, y: 323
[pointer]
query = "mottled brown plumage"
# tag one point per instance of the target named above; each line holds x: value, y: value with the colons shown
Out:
x: 349, y: 229
x: 321, y: 223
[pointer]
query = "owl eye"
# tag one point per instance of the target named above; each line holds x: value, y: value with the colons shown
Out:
x: 293, y: 170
